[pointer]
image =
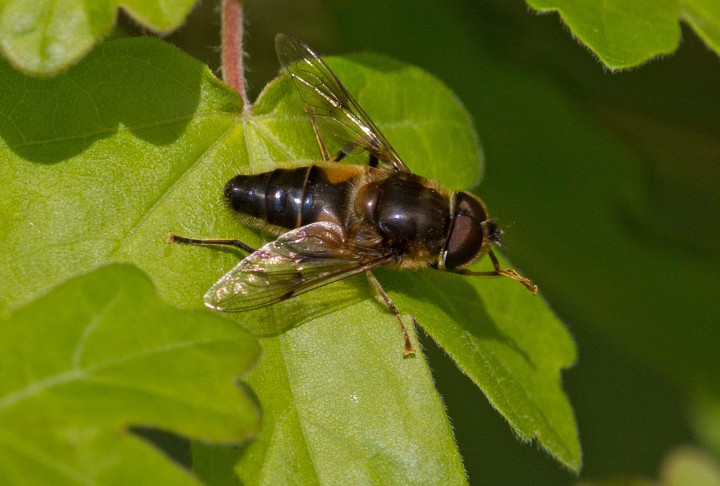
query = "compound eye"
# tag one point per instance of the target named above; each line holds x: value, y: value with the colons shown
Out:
x: 466, y: 239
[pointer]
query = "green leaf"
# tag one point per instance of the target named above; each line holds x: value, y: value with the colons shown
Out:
x: 101, y: 174
x: 704, y: 18
x: 101, y: 353
x: 643, y: 154
x: 621, y: 33
x: 611, y: 180
x: 44, y: 37
x: 343, y: 405
x: 508, y: 342
x: 624, y: 34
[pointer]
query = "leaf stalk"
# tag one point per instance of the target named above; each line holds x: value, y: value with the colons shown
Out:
x: 233, y: 71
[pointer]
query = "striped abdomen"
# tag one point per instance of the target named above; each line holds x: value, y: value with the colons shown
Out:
x: 291, y: 198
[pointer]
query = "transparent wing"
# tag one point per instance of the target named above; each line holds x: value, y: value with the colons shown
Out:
x: 336, y: 111
x: 297, y: 261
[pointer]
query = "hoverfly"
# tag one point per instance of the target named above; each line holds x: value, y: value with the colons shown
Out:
x: 337, y: 220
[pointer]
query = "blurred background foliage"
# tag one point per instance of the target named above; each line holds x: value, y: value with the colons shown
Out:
x: 607, y: 183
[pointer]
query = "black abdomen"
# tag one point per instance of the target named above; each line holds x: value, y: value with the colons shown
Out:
x: 289, y: 198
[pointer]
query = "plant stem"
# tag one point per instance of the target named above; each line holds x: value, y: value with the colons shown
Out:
x: 232, y: 52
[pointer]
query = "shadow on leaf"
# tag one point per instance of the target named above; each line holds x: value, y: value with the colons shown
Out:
x: 283, y: 316
x: 454, y: 297
x: 144, y: 86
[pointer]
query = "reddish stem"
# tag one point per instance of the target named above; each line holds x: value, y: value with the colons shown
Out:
x: 232, y: 52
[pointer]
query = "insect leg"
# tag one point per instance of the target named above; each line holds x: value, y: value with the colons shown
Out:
x: 378, y: 288
x: 338, y: 156
x: 372, y: 159
x: 373, y: 162
x: 173, y: 238
x: 507, y: 272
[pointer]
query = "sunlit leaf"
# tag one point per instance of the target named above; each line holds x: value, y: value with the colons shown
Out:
x: 101, y: 174
x: 704, y: 18
x: 102, y: 353
x: 627, y: 33
x: 609, y: 181
x: 43, y: 37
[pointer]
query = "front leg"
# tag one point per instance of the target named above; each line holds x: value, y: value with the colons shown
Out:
x: 498, y: 272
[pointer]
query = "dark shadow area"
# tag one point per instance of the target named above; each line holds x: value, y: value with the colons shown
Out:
x: 143, y: 85
x: 454, y: 296
x: 175, y: 447
x: 219, y: 458
x: 630, y: 433
x: 215, y: 462
x: 199, y: 35
x: 283, y: 316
